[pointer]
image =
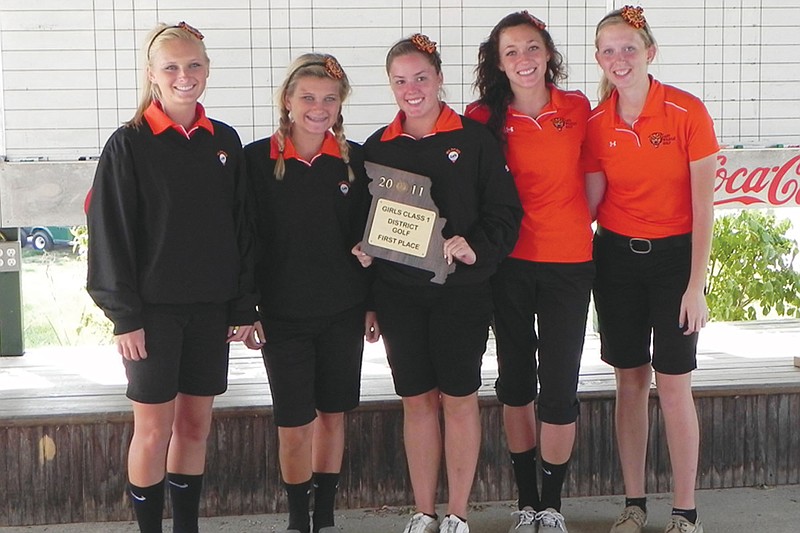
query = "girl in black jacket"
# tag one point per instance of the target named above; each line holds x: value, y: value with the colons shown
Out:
x: 310, y: 199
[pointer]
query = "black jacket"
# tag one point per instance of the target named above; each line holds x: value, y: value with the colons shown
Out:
x: 168, y: 224
x: 474, y: 191
x: 306, y: 224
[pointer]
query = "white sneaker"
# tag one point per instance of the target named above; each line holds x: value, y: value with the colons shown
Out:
x: 453, y: 524
x: 631, y: 520
x: 678, y: 524
x: 525, y: 521
x: 550, y: 521
x: 422, y: 523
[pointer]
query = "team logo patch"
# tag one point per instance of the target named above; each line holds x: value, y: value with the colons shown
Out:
x: 223, y: 157
x: 658, y: 138
x: 561, y: 124
x: 452, y: 154
x: 344, y: 188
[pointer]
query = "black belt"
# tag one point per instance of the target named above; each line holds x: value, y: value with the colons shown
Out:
x: 639, y: 245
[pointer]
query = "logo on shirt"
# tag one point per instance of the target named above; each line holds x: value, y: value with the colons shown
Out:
x: 223, y: 157
x: 452, y: 154
x: 612, y: 144
x: 344, y: 188
x: 657, y: 139
x: 509, y: 129
x: 560, y: 123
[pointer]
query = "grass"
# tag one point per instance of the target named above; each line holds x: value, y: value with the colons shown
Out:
x: 56, y: 310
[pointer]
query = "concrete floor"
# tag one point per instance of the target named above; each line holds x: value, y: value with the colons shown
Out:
x: 760, y: 509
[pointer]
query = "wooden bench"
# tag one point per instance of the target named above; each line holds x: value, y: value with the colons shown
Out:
x: 65, y: 425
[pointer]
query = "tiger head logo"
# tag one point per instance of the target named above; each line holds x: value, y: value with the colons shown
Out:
x: 559, y: 124
x: 656, y: 138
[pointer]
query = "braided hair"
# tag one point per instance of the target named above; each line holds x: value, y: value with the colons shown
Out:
x: 318, y: 66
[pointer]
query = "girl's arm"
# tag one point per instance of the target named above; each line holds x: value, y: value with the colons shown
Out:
x: 694, y: 311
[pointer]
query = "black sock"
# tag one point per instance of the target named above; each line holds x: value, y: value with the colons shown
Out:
x: 552, y: 482
x: 325, y: 485
x: 641, y: 503
x: 148, y: 505
x: 184, y: 492
x: 298, y: 496
x: 688, y: 514
x: 525, y: 475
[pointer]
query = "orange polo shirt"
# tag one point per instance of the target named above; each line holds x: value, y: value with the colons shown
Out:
x: 648, y: 192
x: 544, y: 156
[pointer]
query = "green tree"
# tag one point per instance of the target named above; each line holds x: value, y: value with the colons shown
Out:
x: 751, y: 267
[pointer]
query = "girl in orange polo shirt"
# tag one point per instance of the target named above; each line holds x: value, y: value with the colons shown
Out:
x: 651, y: 161
x: 548, y: 277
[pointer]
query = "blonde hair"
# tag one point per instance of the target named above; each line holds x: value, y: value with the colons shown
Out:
x: 155, y: 40
x: 605, y: 87
x: 317, y: 66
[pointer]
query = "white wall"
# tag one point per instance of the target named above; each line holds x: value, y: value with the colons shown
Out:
x: 69, y: 74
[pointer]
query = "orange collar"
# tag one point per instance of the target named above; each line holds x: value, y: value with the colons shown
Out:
x: 448, y: 120
x: 159, y: 122
x: 653, y: 105
x: 329, y: 147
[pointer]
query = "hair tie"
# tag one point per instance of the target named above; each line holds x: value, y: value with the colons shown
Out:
x: 423, y: 43
x: 535, y: 21
x: 634, y: 16
x: 181, y: 26
x: 333, y: 68
x: 191, y: 29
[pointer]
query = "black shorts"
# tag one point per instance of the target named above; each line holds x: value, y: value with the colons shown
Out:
x: 314, y: 364
x: 435, y: 336
x: 187, y: 352
x: 638, y: 297
x: 557, y: 295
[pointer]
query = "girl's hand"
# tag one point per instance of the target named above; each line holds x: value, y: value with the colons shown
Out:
x: 694, y: 311
x: 255, y: 339
x: 372, y: 331
x: 131, y: 345
x: 239, y: 333
x: 362, y: 256
x: 459, y: 249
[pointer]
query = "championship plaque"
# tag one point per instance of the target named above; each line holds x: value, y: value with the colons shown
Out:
x: 404, y: 225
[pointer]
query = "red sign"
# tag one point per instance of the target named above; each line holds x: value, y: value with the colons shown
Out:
x: 768, y: 177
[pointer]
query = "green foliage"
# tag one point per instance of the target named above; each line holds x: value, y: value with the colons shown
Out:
x: 80, y: 242
x: 751, y: 268
x: 57, y: 311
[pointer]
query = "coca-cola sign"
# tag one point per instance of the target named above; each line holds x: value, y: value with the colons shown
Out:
x: 768, y: 177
